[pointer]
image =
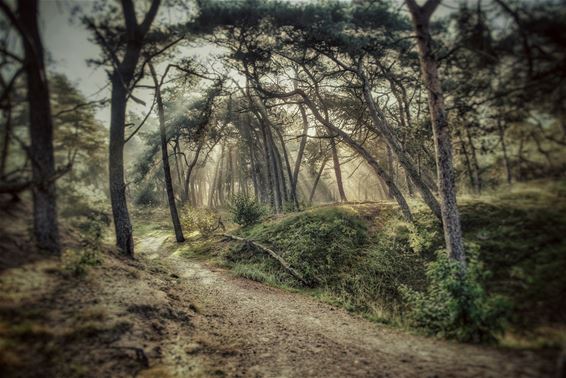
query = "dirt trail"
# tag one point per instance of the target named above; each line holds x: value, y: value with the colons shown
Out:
x: 245, y: 328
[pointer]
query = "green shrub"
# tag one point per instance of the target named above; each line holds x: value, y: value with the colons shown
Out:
x: 204, y: 221
x: 147, y: 196
x: 245, y: 210
x: 76, y: 262
x: 457, y: 306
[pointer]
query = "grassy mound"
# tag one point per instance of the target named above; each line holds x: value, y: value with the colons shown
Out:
x: 323, y: 244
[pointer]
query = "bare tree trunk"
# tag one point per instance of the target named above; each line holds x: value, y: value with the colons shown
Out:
x: 45, y: 225
x: 165, y: 160
x: 317, y: 179
x: 292, y: 184
x: 121, y: 80
x: 300, y: 152
x: 475, y: 164
x: 213, y: 185
x: 466, y: 159
x: 338, y: 171
x: 390, y: 166
x: 6, y: 139
x: 504, y: 149
x: 190, y: 169
x: 449, y: 208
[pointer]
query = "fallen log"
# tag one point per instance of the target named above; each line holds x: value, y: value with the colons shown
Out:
x: 273, y: 254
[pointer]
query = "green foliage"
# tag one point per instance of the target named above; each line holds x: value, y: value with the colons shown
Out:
x: 147, y: 196
x: 455, y: 304
x: 77, y: 261
x: 204, y: 221
x: 245, y: 210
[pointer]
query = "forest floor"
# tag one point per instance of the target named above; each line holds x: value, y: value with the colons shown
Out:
x: 164, y: 314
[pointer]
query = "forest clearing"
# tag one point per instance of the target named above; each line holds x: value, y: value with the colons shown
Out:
x: 260, y: 188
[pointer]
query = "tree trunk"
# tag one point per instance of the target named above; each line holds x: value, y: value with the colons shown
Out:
x: 504, y: 149
x: 121, y: 80
x: 300, y: 152
x: 338, y: 171
x: 466, y: 159
x: 45, y: 225
x: 317, y: 179
x: 190, y: 169
x: 475, y: 164
x: 390, y: 166
x: 165, y: 160
x: 441, y: 131
x: 6, y: 139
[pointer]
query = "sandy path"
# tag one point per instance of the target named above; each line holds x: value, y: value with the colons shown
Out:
x: 247, y: 329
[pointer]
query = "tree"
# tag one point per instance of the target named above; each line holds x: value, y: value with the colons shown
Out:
x: 122, y: 79
x: 165, y: 156
x: 45, y: 224
x: 442, y: 142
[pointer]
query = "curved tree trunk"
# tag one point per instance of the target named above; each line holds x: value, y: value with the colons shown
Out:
x: 165, y: 160
x: 317, y: 179
x: 337, y: 171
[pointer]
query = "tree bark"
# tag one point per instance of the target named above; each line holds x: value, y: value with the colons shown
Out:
x: 300, y: 152
x: 165, y: 159
x: 45, y: 224
x: 448, y: 206
x: 121, y: 80
x: 337, y: 171
x: 317, y: 179
x: 506, y: 161
x: 475, y: 164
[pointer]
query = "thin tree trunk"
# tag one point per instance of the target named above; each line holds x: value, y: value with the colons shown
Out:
x: 45, y: 225
x: 213, y: 185
x: 165, y: 159
x: 300, y: 152
x: 317, y: 179
x: 190, y: 169
x: 337, y: 171
x: 292, y: 184
x: 466, y: 160
x: 506, y: 161
x: 441, y: 131
x: 475, y: 164
x: 389, y: 165
x: 6, y: 139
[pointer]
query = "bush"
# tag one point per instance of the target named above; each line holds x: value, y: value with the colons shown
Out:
x: 455, y: 306
x: 245, y: 210
x: 147, y: 196
x: 77, y: 261
x: 204, y: 221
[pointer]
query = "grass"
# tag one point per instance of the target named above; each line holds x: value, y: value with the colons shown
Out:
x: 358, y: 256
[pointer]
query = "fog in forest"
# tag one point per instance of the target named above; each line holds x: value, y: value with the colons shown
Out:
x: 320, y: 188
